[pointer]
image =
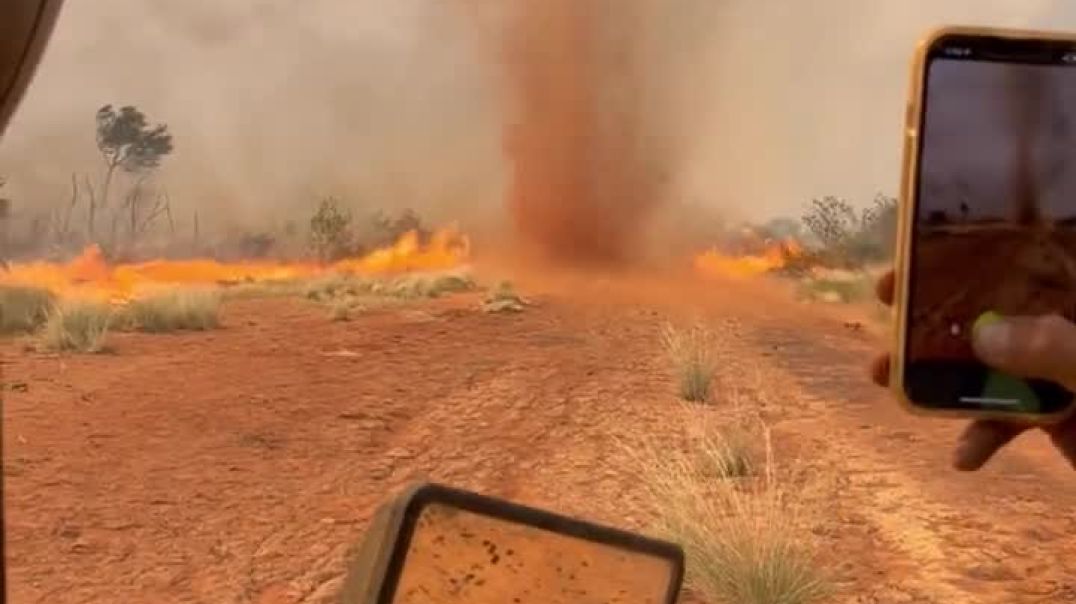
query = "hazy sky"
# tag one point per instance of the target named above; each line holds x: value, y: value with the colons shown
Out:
x: 813, y: 93
x: 394, y: 102
x: 969, y: 148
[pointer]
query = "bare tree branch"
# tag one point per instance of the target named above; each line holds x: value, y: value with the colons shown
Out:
x: 60, y: 218
x: 91, y: 211
x: 160, y: 207
x: 168, y: 214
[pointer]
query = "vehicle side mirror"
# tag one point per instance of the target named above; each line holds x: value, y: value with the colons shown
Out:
x: 438, y: 545
x: 25, y: 29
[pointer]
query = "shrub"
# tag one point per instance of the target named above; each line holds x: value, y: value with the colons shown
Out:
x: 746, y: 541
x: 851, y: 239
x: 331, y: 237
x: 77, y: 325
x: 23, y: 309
x: 691, y: 353
x: 832, y: 221
x: 876, y: 239
x: 176, y: 310
x: 382, y: 230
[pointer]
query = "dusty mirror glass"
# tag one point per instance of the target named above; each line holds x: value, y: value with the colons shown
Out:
x: 459, y: 556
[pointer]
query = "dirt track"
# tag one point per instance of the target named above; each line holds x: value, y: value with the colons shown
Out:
x: 239, y: 466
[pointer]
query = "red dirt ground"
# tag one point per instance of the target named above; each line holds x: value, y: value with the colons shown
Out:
x: 240, y: 465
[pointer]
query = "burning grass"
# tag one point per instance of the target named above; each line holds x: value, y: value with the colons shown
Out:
x: 773, y: 257
x: 691, y: 354
x: 91, y: 275
x: 163, y: 309
x: 746, y: 536
x: 77, y: 326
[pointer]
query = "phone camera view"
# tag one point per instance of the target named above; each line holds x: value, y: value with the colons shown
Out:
x: 995, y: 224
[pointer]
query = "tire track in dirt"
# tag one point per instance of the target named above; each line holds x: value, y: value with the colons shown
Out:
x: 537, y: 428
x: 263, y: 448
x: 486, y: 436
x: 1002, y: 535
x: 241, y: 465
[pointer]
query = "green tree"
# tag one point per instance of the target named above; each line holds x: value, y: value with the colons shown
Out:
x: 832, y: 221
x: 876, y: 236
x: 851, y: 238
x: 129, y: 143
x: 331, y: 235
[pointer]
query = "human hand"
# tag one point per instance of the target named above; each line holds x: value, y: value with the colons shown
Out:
x: 1030, y: 347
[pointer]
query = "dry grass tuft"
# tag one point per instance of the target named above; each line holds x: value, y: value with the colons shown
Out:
x: 24, y: 309
x: 503, y: 298
x: 730, y: 454
x: 429, y: 285
x: 274, y: 288
x: 345, y: 308
x: 746, y: 539
x: 77, y: 326
x: 180, y: 309
x: 331, y: 288
x: 691, y: 352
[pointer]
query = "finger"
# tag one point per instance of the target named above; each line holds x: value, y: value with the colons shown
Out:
x: 1034, y: 347
x: 880, y: 370
x: 885, y: 287
x: 1064, y: 438
x: 980, y: 441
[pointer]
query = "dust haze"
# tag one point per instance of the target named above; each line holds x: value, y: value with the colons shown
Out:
x: 740, y: 109
x: 272, y: 103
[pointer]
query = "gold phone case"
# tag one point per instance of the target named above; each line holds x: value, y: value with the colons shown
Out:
x: 906, y: 220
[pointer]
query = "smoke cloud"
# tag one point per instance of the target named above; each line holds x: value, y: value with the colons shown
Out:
x: 743, y: 108
x: 803, y: 99
x: 272, y: 104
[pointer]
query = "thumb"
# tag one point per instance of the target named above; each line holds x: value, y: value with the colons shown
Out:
x: 1032, y: 347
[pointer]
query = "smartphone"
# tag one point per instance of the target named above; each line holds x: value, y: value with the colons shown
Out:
x: 988, y: 215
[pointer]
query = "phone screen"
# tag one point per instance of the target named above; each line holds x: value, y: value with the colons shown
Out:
x: 994, y: 213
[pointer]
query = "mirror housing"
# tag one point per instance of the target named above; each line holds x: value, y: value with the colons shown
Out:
x: 439, y: 545
x: 25, y: 29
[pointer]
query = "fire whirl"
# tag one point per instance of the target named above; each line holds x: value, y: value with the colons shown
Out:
x: 91, y: 276
x: 582, y: 181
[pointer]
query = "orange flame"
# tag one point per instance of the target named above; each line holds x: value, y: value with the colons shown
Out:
x: 89, y: 275
x: 775, y: 256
